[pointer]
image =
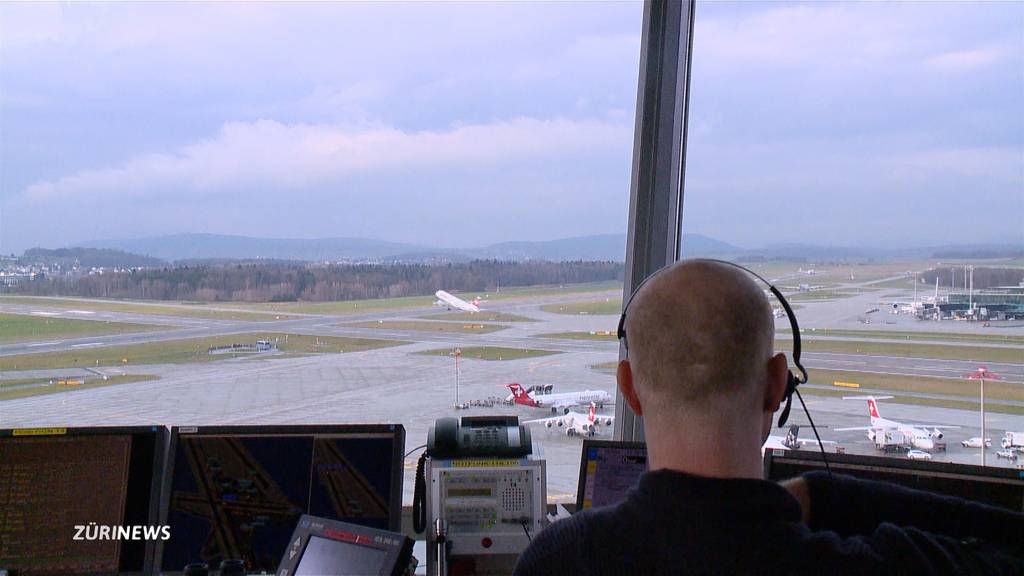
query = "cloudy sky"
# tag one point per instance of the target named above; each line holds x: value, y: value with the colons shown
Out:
x: 467, y: 124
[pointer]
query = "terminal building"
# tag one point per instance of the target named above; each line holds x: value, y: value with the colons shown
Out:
x: 996, y: 304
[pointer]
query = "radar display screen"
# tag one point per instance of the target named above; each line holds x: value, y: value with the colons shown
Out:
x: 608, y: 470
x: 238, y: 494
x: 60, y: 487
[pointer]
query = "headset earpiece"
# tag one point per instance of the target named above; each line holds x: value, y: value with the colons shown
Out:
x: 791, y: 384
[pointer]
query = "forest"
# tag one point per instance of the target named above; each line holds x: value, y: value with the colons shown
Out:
x: 288, y: 282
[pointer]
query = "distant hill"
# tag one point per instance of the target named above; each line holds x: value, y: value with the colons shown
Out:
x: 90, y: 258
x: 220, y: 246
x: 700, y: 246
x: 192, y: 247
x: 608, y: 247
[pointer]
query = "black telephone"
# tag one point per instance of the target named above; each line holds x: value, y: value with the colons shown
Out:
x: 474, y: 436
x: 478, y: 436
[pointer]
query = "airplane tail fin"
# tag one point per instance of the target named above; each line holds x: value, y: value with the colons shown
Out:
x: 476, y: 301
x: 592, y: 413
x: 517, y: 390
x: 873, y: 409
x: 873, y: 412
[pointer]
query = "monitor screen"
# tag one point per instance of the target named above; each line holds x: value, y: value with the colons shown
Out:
x: 238, y: 492
x: 60, y: 486
x: 608, y: 470
x: 996, y: 486
x: 326, y: 557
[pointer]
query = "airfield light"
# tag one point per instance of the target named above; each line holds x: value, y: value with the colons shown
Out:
x: 981, y: 374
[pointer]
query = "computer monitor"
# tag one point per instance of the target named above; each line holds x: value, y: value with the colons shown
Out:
x: 608, y: 470
x: 996, y: 486
x: 237, y: 492
x: 60, y: 486
x: 322, y: 547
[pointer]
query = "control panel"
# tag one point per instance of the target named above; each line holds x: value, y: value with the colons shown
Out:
x: 487, y: 506
x: 499, y: 501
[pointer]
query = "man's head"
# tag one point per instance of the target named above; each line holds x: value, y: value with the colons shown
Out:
x: 700, y: 338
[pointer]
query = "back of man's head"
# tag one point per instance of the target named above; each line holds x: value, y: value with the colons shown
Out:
x: 700, y: 335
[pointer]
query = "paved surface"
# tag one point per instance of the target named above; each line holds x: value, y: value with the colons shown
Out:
x: 397, y: 385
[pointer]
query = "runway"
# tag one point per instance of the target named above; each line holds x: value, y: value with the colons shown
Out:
x: 397, y: 385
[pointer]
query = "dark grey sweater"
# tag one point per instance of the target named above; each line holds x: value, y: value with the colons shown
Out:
x: 675, y: 523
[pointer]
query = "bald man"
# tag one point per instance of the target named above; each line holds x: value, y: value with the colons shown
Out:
x: 703, y: 373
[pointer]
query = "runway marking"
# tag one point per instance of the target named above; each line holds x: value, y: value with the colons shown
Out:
x: 87, y: 344
x: 44, y: 343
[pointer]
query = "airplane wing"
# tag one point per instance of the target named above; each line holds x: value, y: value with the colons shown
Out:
x: 561, y: 403
x: 857, y: 428
x: 552, y: 419
x: 939, y: 426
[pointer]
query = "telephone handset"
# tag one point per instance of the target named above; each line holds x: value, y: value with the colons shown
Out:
x: 478, y: 436
x: 474, y: 436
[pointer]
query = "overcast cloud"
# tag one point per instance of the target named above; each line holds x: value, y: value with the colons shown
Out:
x: 467, y: 124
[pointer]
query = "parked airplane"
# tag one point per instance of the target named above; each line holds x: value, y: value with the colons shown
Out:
x: 918, y: 434
x: 446, y: 299
x: 577, y: 424
x: 791, y: 441
x: 559, y: 401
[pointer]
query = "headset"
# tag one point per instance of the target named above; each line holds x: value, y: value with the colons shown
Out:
x: 792, y: 381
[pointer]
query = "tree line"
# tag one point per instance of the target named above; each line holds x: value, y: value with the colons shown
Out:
x: 318, y: 283
x: 983, y: 277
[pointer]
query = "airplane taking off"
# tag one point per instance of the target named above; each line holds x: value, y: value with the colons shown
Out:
x: 559, y: 401
x: 918, y: 434
x: 577, y: 424
x: 791, y: 441
x: 446, y: 299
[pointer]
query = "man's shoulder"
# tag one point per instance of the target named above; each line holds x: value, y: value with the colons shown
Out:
x: 564, y: 544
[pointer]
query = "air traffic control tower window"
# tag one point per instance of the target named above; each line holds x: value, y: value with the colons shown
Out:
x: 867, y: 159
x: 315, y: 213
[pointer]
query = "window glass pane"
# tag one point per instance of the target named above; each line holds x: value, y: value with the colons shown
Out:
x: 242, y: 213
x: 866, y: 157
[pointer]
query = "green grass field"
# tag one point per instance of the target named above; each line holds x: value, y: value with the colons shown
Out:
x: 187, y: 351
x: 191, y: 310
x: 491, y: 353
x: 916, y: 400
x: 529, y: 291
x: 913, y: 336
x: 608, y: 307
x: 994, y: 389
x: 934, y: 351
x: 906, y: 282
x: 11, y: 389
x: 482, y: 316
x: 428, y: 326
x: 30, y: 328
x: 339, y: 308
x: 606, y: 335
x: 608, y: 367
x: 377, y: 304
x: 818, y: 295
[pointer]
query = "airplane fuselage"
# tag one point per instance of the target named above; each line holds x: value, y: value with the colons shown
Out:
x: 920, y: 438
